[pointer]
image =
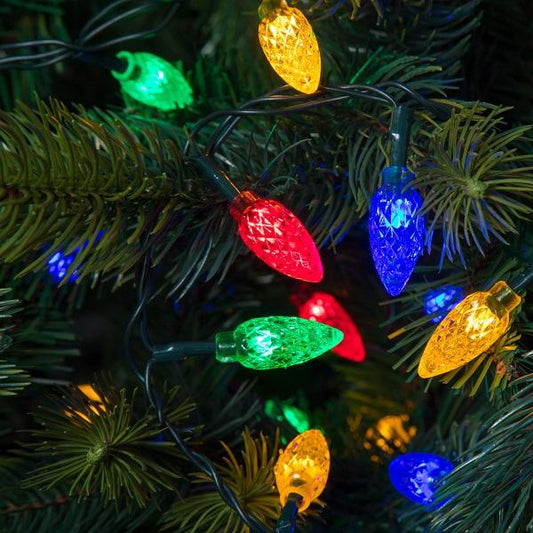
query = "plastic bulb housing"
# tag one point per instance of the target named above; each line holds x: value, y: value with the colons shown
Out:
x: 396, y: 231
x: 326, y: 309
x: 468, y: 330
x: 290, y: 45
x: 303, y: 468
x: 59, y: 264
x: 416, y: 475
x: 154, y: 82
x: 443, y: 299
x: 277, y: 237
x: 275, y: 342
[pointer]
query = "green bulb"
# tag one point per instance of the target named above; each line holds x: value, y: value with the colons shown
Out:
x: 275, y: 342
x: 297, y: 418
x: 153, y: 81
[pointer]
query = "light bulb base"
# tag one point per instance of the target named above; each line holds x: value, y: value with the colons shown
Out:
x: 225, y: 347
x: 505, y: 295
x: 128, y: 73
x: 241, y: 202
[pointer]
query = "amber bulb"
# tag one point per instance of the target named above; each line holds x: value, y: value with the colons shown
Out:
x: 289, y: 44
x: 468, y: 330
x: 303, y: 468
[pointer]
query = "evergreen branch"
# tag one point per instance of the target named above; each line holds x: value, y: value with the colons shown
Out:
x: 98, y: 447
x: 252, y: 480
x: 492, y: 490
x: 475, y: 181
x: 12, y: 379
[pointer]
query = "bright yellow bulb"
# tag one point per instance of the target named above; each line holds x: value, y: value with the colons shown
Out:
x: 468, y: 330
x: 303, y: 468
x: 290, y: 45
x: 90, y: 393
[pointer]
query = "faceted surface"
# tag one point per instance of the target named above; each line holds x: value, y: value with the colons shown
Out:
x: 153, y: 81
x: 468, y: 330
x: 303, y: 468
x: 278, y: 342
x: 277, y: 237
x: 415, y: 475
x: 396, y: 235
x: 291, y: 48
x: 59, y: 264
x: 443, y: 299
x: 325, y: 308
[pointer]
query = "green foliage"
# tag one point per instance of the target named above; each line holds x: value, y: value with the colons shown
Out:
x: 252, y: 480
x: 12, y: 379
x: 103, y: 448
x: 476, y: 182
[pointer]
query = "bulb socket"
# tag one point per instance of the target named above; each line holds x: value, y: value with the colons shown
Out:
x: 225, y: 347
x: 505, y: 295
x: 241, y: 202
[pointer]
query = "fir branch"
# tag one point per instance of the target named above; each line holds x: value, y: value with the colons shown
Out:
x: 475, y: 181
x: 100, y: 448
x: 252, y: 480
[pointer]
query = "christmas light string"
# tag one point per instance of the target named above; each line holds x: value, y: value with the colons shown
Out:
x: 81, y: 48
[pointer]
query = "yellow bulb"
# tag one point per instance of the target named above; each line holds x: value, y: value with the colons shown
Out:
x: 468, y: 330
x: 290, y: 45
x: 90, y: 393
x: 303, y: 468
x: 390, y: 430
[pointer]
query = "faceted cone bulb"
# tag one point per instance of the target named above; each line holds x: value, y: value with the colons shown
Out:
x: 275, y: 342
x: 416, y: 475
x: 468, y: 330
x: 153, y: 81
x: 396, y: 234
x: 288, y: 41
x: 303, y: 468
x: 325, y: 308
x: 277, y: 237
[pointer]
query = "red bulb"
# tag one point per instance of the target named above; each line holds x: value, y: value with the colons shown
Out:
x: 277, y: 237
x: 324, y: 308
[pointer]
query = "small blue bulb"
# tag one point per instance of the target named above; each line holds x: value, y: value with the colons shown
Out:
x: 443, y: 299
x: 396, y: 233
x: 416, y: 475
x: 59, y: 264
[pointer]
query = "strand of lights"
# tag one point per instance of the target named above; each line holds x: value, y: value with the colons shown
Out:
x: 416, y: 475
x: 301, y: 473
x: 154, y: 82
x: 270, y: 230
x: 290, y: 45
x: 468, y: 330
x: 325, y: 308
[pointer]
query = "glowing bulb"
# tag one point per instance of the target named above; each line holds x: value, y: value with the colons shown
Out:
x: 468, y: 330
x: 275, y: 342
x: 442, y: 299
x: 289, y: 44
x: 297, y: 418
x: 389, y: 434
x: 153, y: 81
x: 59, y: 264
x: 303, y: 468
x: 96, y: 404
x: 396, y: 231
x: 325, y: 308
x: 276, y: 236
x: 416, y: 475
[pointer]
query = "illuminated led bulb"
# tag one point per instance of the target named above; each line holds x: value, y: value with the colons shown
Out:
x: 396, y: 230
x: 280, y: 411
x: 303, y: 468
x: 275, y: 342
x: 153, y: 81
x: 443, y: 299
x: 96, y: 404
x: 468, y: 330
x: 277, y: 237
x: 416, y: 475
x: 289, y: 44
x: 325, y: 308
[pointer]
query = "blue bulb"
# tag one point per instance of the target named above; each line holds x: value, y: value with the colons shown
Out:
x: 59, y: 264
x: 443, y: 299
x: 416, y: 475
x: 396, y: 233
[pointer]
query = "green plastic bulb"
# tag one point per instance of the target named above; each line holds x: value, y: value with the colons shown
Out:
x: 153, y: 81
x: 275, y: 342
x: 297, y: 418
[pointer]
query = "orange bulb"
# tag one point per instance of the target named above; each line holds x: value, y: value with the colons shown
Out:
x: 468, y: 330
x: 288, y: 41
x: 303, y: 468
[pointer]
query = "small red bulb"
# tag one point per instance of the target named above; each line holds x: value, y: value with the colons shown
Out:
x: 277, y: 237
x: 323, y: 307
